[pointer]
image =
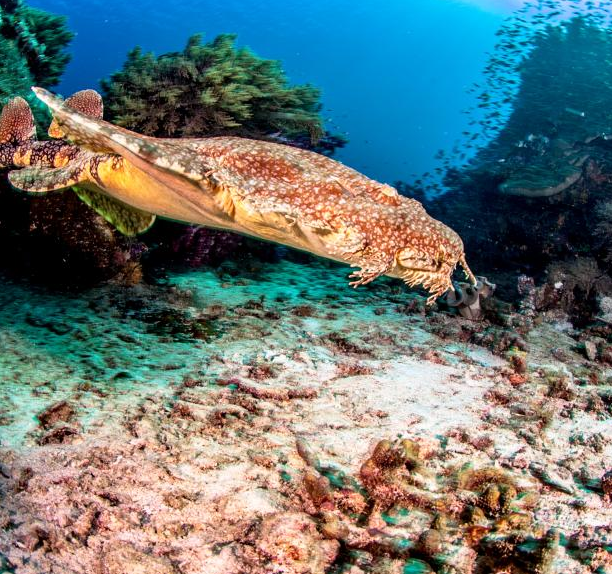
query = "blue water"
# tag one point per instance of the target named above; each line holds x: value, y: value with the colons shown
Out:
x: 393, y: 77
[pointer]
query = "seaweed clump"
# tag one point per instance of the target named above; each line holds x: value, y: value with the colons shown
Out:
x: 32, y: 51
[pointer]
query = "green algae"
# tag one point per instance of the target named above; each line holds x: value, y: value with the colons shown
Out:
x: 415, y: 566
x: 179, y: 326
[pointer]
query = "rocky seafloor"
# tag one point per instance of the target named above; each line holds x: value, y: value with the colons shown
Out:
x: 269, y: 418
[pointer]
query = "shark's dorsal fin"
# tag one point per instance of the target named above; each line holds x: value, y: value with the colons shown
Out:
x: 88, y: 102
x: 127, y: 220
x: 17, y: 122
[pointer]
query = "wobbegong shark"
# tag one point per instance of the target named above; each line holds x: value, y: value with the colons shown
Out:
x: 266, y: 190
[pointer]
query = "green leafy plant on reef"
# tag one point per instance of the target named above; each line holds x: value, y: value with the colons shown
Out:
x: 32, y: 52
x: 211, y: 89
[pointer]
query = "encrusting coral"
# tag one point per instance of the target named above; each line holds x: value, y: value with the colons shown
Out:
x: 403, y: 512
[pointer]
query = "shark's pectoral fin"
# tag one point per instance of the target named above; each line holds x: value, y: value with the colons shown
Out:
x: 366, y: 275
x: 127, y: 220
x: 44, y: 179
x: 76, y: 175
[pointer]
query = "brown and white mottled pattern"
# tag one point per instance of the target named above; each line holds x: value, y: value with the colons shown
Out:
x: 271, y: 191
x: 88, y: 102
x: 16, y: 129
x: 360, y: 221
x: 16, y: 122
x: 18, y: 145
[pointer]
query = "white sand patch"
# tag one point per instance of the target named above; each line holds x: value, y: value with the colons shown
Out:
x: 404, y: 396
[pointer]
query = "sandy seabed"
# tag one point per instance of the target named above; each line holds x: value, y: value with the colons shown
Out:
x: 278, y: 421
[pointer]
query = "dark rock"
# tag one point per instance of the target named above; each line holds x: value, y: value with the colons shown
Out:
x: 62, y: 411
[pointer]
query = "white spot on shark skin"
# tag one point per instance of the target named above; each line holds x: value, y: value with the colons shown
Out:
x: 126, y: 142
x: 84, y: 121
x: 177, y: 167
x: 119, y: 139
x: 163, y: 162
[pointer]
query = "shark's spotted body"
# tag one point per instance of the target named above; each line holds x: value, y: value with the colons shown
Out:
x: 267, y: 190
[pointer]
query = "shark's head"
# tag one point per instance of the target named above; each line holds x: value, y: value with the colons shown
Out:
x: 429, y: 256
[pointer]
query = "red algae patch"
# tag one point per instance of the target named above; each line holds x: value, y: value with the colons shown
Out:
x: 61, y: 411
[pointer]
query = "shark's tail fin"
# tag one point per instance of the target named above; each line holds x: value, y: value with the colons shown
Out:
x: 146, y: 153
x: 17, y: 123
x: 88, y: 102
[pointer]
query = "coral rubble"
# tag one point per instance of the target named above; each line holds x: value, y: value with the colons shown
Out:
x: 129, y: 441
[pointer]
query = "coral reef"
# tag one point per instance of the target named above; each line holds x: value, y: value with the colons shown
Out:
x: 229, y: 420
x: 55, y: 238
x: 574, y: 48
x: 545, y: 143
x: 128, y: 442
x: 471, y: 520
x: 543, y: 180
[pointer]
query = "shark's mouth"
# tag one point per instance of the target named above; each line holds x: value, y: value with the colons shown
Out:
x: 436, y: 282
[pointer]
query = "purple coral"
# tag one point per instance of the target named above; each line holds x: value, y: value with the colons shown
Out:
x: 198, y: 246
